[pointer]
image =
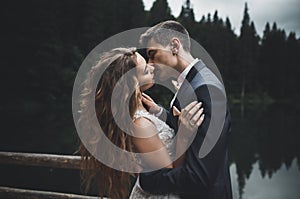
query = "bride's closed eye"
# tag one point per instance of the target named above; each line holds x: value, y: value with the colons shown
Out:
x: 146, y: 71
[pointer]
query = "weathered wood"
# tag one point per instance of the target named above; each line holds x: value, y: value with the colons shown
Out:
x: 46, y: 160
x: 14, y: 193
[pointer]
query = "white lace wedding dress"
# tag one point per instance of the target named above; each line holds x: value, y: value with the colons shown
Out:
x: 165, y: 134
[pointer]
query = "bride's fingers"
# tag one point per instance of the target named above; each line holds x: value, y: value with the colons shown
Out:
x: 148, y: 103
x: 144, y: 99
x: 187, y: 108
x: 192, y: 111
x: 201, y: 119
x: 197, y: 116
x: 147, y: 97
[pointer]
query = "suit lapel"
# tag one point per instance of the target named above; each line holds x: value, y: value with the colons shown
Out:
x: 185, y: 93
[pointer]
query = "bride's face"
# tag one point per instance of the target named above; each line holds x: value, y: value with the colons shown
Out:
x: 145, y: 73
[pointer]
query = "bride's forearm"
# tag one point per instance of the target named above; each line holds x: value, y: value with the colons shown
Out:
x: 181, y: 146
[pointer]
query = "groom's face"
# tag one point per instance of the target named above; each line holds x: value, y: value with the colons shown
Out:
x: 162, y: 59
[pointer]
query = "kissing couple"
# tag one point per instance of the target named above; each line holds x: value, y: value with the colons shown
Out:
x: 176, y: 153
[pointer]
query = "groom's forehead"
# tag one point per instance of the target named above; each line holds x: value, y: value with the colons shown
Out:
x: 151, y: 47
x: 153, y: 44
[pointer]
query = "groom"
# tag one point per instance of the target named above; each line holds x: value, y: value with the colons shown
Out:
x: 205, y: 172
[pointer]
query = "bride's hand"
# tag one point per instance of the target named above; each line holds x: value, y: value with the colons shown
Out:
x: 191, y: 117
x: 151, y: 106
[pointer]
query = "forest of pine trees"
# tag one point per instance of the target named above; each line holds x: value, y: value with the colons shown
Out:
x: 46, y: 41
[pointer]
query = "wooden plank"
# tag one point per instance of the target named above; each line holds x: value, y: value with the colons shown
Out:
x: 16, y: 193
x: 46, y: 160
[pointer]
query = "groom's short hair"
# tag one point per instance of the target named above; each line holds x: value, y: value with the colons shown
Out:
x: 163, y: 32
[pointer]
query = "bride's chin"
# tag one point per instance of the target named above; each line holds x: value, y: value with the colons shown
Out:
x: 147, y: 86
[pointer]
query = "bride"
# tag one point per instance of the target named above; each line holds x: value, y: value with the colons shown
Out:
x: 152, y: 133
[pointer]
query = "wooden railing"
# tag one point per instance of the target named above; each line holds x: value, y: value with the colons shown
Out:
x: 12, y: 193
x: 41, y: 160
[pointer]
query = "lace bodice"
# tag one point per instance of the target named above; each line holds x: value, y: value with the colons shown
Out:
x: 166, y: 134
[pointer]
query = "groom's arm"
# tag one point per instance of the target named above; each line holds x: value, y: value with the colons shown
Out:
x: 195, y: 175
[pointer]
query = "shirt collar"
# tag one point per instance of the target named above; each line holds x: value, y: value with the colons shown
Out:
x: 184, y: 73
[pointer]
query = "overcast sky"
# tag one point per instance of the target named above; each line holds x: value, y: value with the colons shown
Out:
x: 286, y: 13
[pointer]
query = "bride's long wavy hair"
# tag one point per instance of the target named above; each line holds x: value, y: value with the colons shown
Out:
x: 108, y: 181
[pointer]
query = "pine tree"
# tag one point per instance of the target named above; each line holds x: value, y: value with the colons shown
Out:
x: 187, y: 17
x: 228, y: 24
x: 160, y: 11
x: 293, y: 71
x: 248, y: 49
x: 272, y: 61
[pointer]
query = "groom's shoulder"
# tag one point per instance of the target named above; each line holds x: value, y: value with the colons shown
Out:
x: 205, y: 77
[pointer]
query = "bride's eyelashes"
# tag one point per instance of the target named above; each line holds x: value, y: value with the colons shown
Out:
x: 146, y: 71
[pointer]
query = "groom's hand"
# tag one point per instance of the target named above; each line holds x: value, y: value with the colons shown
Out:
x: 151, y: 106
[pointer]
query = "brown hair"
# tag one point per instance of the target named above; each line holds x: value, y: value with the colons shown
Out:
x: 109, y: 182
x: 163, y: 32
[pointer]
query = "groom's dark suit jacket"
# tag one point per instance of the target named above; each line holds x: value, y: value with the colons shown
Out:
x: 199, y: 177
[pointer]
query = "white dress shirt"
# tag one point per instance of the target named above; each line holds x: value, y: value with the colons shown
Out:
x: 180, y: 80
x: 182, y: 77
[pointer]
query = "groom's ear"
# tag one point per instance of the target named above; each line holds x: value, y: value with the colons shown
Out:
x: 174, y: 48
x: 175, y: 45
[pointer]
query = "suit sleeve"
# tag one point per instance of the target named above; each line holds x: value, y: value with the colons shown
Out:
x: 196, y: 175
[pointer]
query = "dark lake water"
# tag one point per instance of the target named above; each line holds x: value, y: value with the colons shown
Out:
x: 264, y: 151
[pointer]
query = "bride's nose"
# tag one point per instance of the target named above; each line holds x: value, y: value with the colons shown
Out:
x: 151, y: 68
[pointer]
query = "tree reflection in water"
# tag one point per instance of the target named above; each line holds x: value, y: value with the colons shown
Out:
x: 266, y: 135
